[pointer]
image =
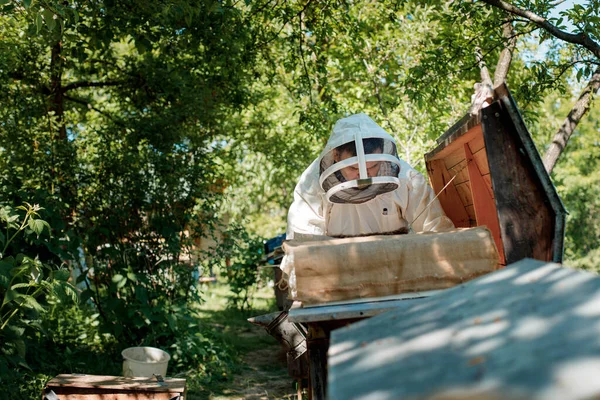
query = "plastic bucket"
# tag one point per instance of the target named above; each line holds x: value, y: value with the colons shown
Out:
x: 145, y: 361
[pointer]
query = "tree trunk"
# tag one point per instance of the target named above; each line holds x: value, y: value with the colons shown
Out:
x: 56, y: 89
x: 570, y: 123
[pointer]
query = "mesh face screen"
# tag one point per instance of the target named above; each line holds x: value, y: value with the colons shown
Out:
x: 358, y: 172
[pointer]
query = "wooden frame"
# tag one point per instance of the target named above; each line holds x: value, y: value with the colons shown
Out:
x: 488, y: 172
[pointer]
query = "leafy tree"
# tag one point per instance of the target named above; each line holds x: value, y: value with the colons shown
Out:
x: 111, y: 112
x: 25, y: 284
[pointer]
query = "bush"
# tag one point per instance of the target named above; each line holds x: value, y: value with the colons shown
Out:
x: 25, y: 284
x: 238, y: 256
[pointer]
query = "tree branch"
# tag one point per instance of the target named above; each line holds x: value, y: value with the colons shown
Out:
x: 91, y: 107
x: 580, y: 38
x: 300, y: 47
x: 77, y: 85
x: 484, y: 73
x: 506, y: 55
x: 581, y: 107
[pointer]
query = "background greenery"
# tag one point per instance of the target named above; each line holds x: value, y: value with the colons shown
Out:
x: 157, y: 141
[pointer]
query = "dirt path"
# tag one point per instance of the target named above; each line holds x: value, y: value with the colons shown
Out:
x: 263, y: 375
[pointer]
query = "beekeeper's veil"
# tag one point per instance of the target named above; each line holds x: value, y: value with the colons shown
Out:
x: 366, y: 149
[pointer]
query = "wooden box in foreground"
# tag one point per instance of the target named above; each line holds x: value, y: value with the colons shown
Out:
x: 97, y: 387
x: 489, y: 172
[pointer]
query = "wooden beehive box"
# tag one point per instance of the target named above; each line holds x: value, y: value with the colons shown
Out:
x: 489, y: 172
x: 97, y: 387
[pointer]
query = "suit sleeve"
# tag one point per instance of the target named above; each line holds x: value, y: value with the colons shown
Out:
x: 423, y: 212
x: 306, y: 214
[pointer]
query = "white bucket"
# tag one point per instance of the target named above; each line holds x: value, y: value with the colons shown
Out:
x: 145, y: 361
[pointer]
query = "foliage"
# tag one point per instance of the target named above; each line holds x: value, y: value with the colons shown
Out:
x: 575, y: 177
x: 110, y: 114
x: 238, y: 256
x: 142, y: 126
x: 25, y: 284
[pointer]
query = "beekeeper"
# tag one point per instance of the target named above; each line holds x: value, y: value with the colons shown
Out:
x: 358, y: 186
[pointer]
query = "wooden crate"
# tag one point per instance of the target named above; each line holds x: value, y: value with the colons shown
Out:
x: 489, y: 172
x: 97, y: 387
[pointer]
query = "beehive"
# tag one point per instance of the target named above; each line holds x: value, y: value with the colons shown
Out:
x: 489, y: 172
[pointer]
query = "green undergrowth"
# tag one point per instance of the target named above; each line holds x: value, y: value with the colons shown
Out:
x: 209, y: 350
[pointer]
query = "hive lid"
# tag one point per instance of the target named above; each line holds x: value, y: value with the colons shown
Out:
x: 105, y: 382
x: 530, y: 214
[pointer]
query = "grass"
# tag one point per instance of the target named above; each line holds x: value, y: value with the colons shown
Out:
x: 259, y: 370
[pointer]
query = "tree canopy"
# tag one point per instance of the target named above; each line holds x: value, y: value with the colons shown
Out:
x: 140, y: 126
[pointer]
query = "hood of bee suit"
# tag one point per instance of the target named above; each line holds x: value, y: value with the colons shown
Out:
x: 359, y: 162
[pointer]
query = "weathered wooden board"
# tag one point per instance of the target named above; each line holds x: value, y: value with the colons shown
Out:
x: 529, y: 331
x: 361, y: 308
x: 527, y: 225
x: 383, y: 265
x: 100, y: 387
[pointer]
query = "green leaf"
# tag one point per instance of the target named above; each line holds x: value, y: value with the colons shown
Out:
x: 62, y: 275
x: 10, y: 295
x: 49, y: 19
x: 120, y: 280
x: 86, y: 295
x: 37, y: 225
x: 21, y: 285
x: 31, y: 303
x: 39, y: 23
x: 172, y: 322
x: 27, y: 3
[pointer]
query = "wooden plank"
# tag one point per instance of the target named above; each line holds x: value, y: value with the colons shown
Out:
x: 81, y: 394
x: 483, y: 202
x: 552, y: 200
x: 465, y: 194
x: 454, y: 159
x: 482, y: 161
x: 529, y: 331
x: 351, y: 309
x: 488, y: 183
x: 449, y: 198
x: 472, y: 217
x: 455, y: 140
x: 527, y: 223
x: 115, y: 382
x: 477, y: 143
x: 318, y: 345
x: 460, y: 171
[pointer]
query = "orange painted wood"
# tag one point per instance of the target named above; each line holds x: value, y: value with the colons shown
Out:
x: 449, y: 198
x: 464, y: 192
x: 482, y: 161
x: 483, y: 202
x: 452, y: 160
x: 477, y: 143
x: 444, y: 150
x: 460, y: 170
x: 488, y: 181
x: 471, y: 211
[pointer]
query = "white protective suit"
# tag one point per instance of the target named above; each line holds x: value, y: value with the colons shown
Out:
x: 410, y: 205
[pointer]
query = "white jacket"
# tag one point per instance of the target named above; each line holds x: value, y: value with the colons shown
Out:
x: 409, y: 206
